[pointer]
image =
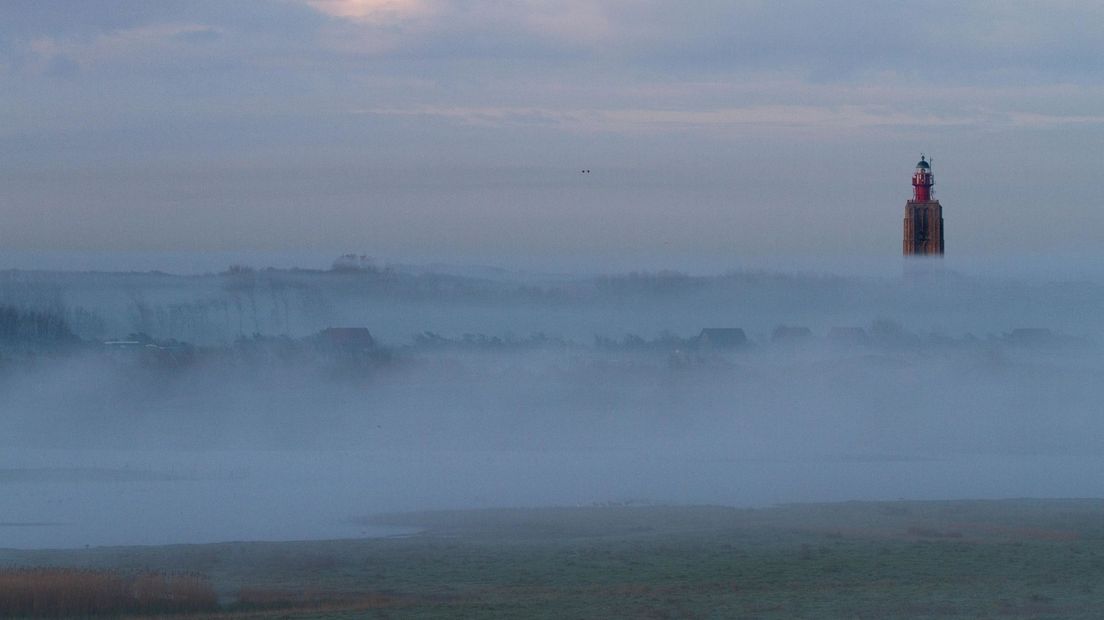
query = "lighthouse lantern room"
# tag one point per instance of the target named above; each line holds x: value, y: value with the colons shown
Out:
x: 922, y: 181
x: 923, y: 215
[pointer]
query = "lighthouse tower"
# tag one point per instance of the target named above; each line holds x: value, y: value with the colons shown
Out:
x: 923, y: 215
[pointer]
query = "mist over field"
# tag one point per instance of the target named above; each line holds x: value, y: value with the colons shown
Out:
x: 158, y: 408
x: 632, y: 282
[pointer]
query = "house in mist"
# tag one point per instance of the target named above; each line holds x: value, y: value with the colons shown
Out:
x: 344, y: 340
x: 721, y: 338
x: 123, y: 349
x: 146, y: 351
x: 347, y: 346
x: 1036, y: 337
x: 784, y: 334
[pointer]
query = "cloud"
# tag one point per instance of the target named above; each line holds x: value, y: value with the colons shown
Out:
x: 571, y: 21
x: 62, y: 67
x: 479, y: 28
x: 1027, y: 119
x: 372, y: 11
x: 133, y: 44
x: 729, y: 119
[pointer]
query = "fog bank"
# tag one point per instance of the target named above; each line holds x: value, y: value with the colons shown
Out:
x: 161, y: 408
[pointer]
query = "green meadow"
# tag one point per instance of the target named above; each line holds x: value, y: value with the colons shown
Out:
x: 949, y: 559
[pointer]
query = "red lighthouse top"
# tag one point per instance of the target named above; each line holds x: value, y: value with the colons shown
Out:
x: 922, y: 181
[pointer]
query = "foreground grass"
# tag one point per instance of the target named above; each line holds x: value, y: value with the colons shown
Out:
x: 1007, y: 559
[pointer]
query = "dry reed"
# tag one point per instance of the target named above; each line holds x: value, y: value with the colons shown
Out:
x: 68, y: 592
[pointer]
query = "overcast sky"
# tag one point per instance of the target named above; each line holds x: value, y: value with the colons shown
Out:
x: 717, y: 132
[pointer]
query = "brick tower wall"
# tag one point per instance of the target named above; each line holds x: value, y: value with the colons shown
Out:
x: 923, y: 228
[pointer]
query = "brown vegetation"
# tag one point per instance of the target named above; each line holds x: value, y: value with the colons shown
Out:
x: 66, y: 592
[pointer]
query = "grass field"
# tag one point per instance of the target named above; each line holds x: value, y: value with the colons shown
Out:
x: 962, y: 559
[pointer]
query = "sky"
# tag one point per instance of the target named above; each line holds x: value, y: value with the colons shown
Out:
x: 718, y: 133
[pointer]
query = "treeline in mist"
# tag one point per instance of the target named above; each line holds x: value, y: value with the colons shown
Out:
x: 396, y: 303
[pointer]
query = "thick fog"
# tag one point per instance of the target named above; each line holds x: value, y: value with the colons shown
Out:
x: 145, y: 408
